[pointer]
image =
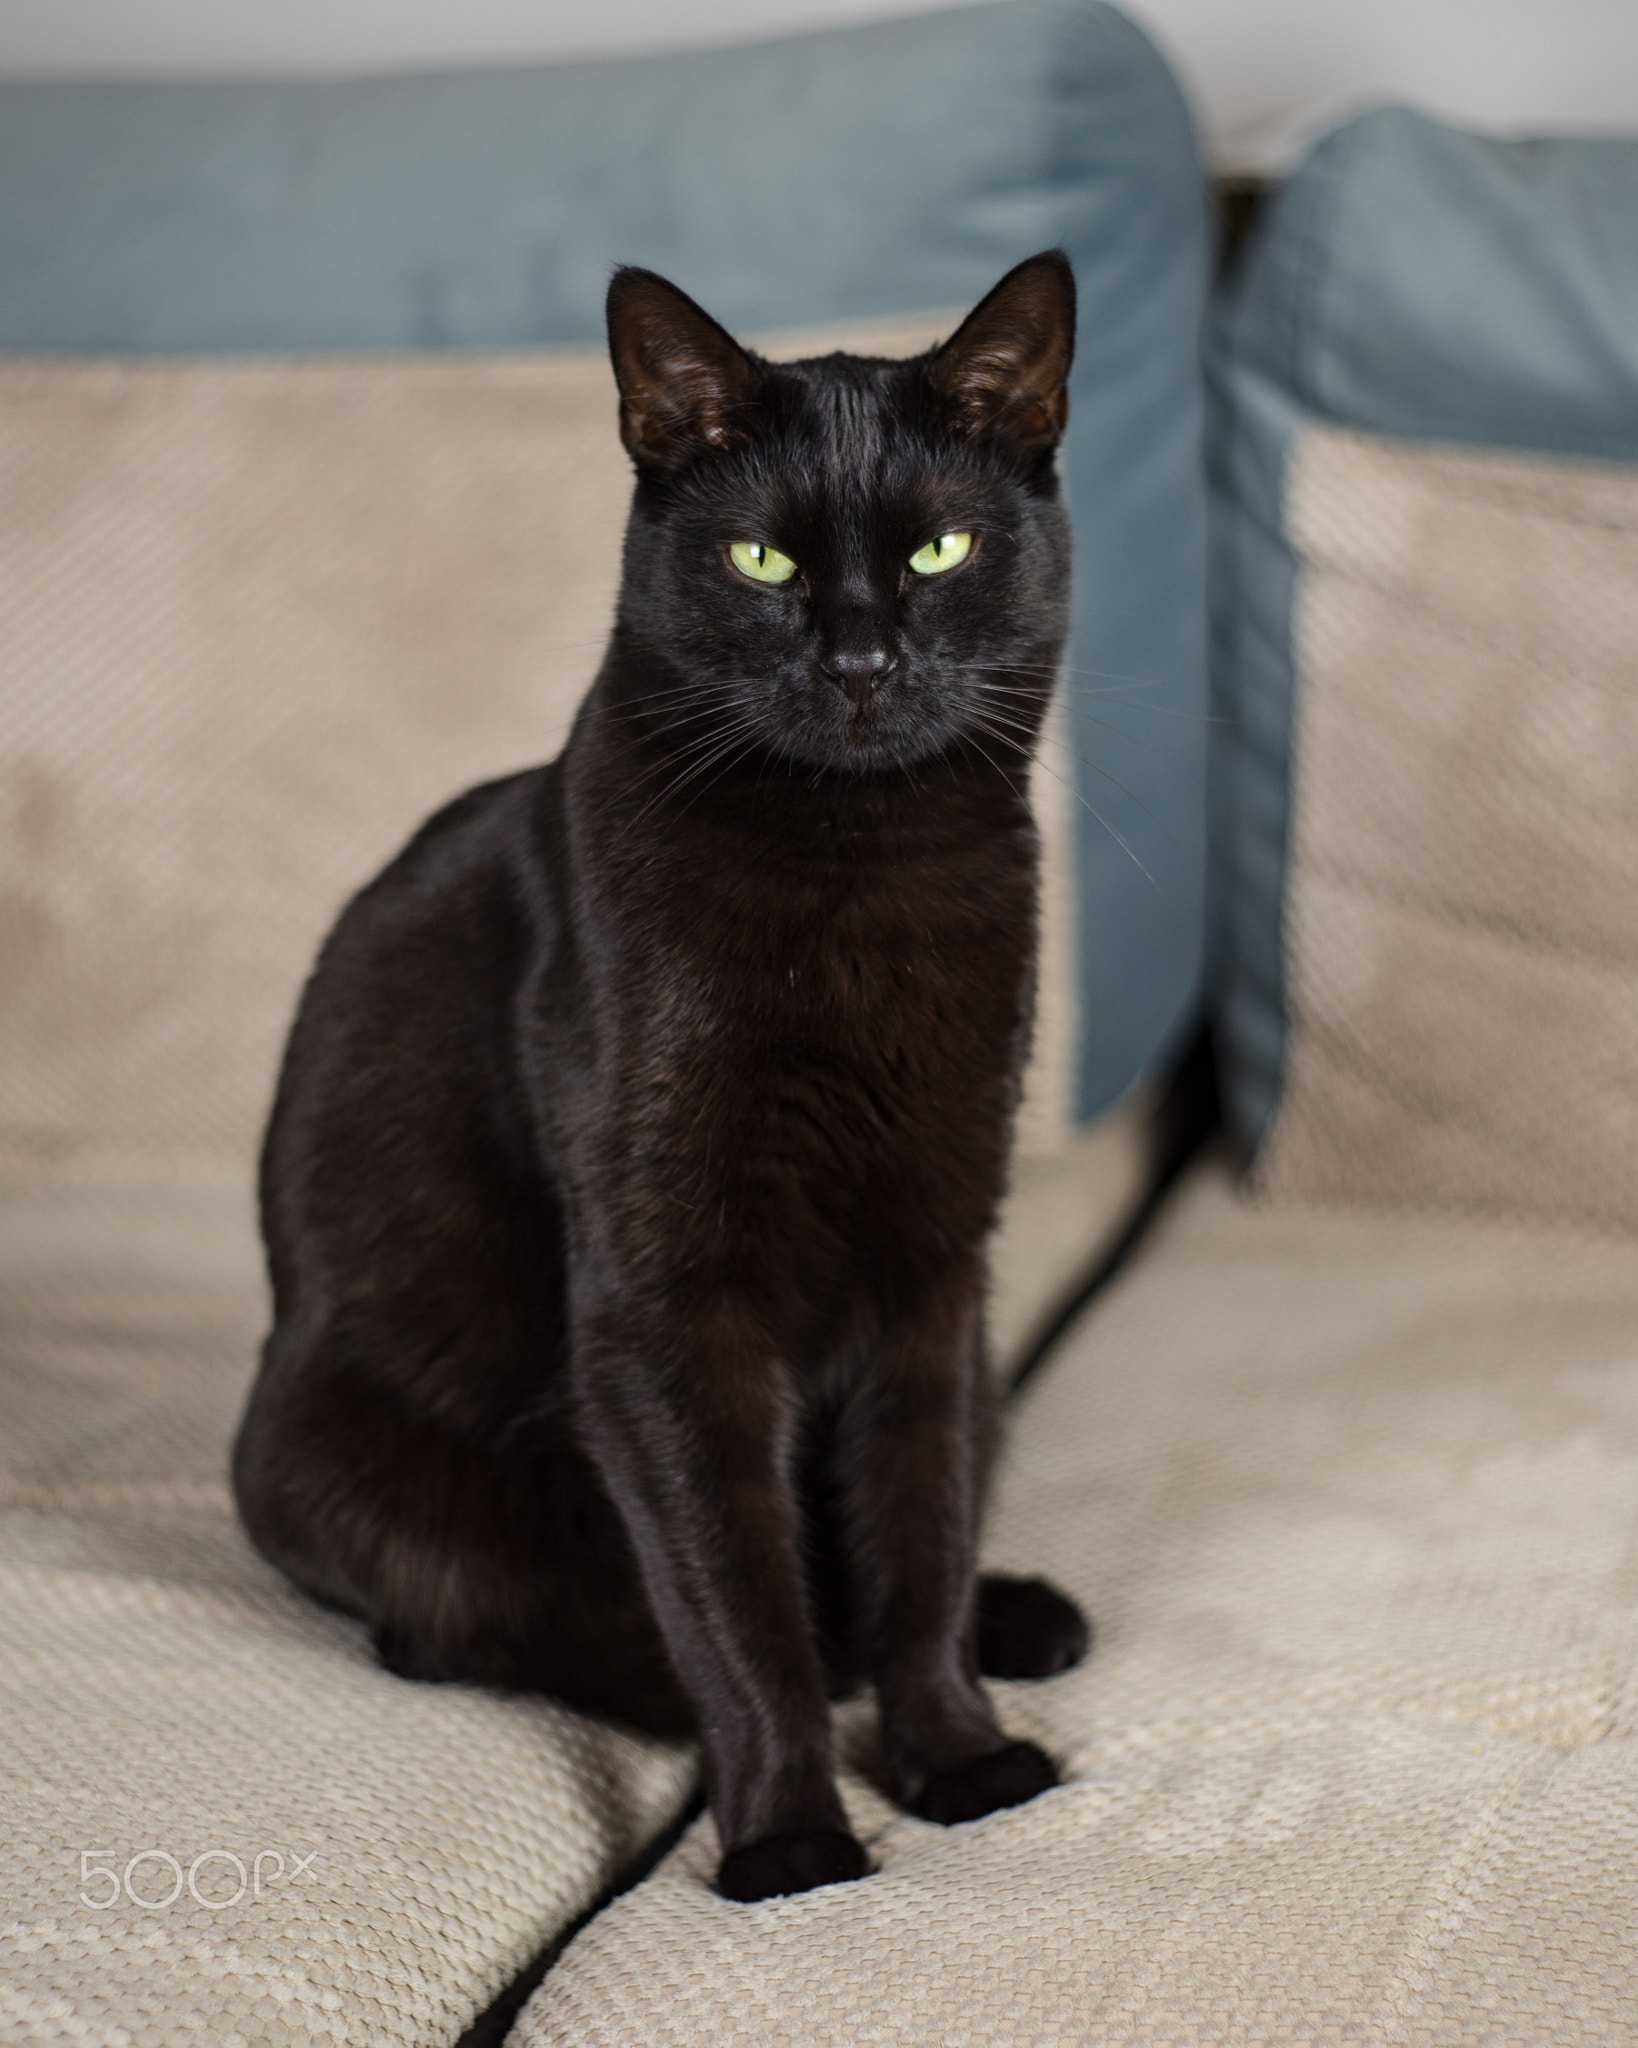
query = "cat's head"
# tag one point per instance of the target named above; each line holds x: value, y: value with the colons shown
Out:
x: 850, y: 563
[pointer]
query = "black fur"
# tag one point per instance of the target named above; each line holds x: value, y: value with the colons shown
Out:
x: 642, y: 1126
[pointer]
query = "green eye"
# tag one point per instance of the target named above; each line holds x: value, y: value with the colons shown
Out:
x: 942, y: 554
x: 763, y: 564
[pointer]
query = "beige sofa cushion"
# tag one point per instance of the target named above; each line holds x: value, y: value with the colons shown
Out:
x: 257, y: 620
x: 1355, y: 1758
x: 1461, y: 908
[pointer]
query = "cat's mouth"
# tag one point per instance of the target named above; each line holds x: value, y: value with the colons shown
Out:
x: 890, y: 728
x: 908, y: 717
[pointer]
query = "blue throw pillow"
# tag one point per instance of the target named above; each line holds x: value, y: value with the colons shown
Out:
x: 896, y: 167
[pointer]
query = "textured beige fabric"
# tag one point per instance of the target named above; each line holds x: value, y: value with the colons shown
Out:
x: 1461, y: 919
x: 256, y: 621
x: 1064, y: 1210
x: 1355, y: 1759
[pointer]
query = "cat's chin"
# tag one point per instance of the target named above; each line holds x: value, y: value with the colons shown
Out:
x: 878, y: 750
x: 882, y: 757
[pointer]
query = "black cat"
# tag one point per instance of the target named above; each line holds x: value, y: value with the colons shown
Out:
x: 642, y: 1126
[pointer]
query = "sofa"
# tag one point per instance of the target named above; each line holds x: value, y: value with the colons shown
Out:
x: 312, y: 494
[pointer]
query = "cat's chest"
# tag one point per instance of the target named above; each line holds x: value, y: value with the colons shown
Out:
x: 863, y: 980
x: 812, y: 978
x: 892, y: 976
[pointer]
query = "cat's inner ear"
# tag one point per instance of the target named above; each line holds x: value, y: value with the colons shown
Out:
x: 685, y: 384
x: 1005, y: 370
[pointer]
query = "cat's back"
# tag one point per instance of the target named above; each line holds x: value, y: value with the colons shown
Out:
x: 402, y: 1029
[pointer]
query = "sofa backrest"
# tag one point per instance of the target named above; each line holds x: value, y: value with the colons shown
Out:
x: 1424, y: 432
x: 891, y: 170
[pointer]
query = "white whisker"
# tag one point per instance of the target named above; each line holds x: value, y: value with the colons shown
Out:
x: 1092, y: 810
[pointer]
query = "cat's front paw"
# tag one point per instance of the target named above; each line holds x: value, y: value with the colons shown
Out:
x: 1006, y: 1777
x: 1028, y: 1629
x: 790, y: 1863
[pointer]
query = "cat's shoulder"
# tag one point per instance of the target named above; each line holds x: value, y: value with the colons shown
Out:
x: 481, y: 862
x: 492, y: 830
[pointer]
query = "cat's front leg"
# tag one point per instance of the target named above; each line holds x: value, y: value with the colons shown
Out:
x: 914, y: 1448
x: 690, y: 1415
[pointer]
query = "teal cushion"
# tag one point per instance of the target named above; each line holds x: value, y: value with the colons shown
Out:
x: 1408, y: 280
x: 889, y: 168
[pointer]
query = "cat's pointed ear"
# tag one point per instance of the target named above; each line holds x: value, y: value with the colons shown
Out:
x: 1005, y: 370
x: 685, y: 384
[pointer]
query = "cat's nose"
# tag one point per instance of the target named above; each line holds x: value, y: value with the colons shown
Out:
x: 858, y: 671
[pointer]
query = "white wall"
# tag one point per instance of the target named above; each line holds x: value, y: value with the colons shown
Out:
x: 1267, y: 74
x: 1263, y: 73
